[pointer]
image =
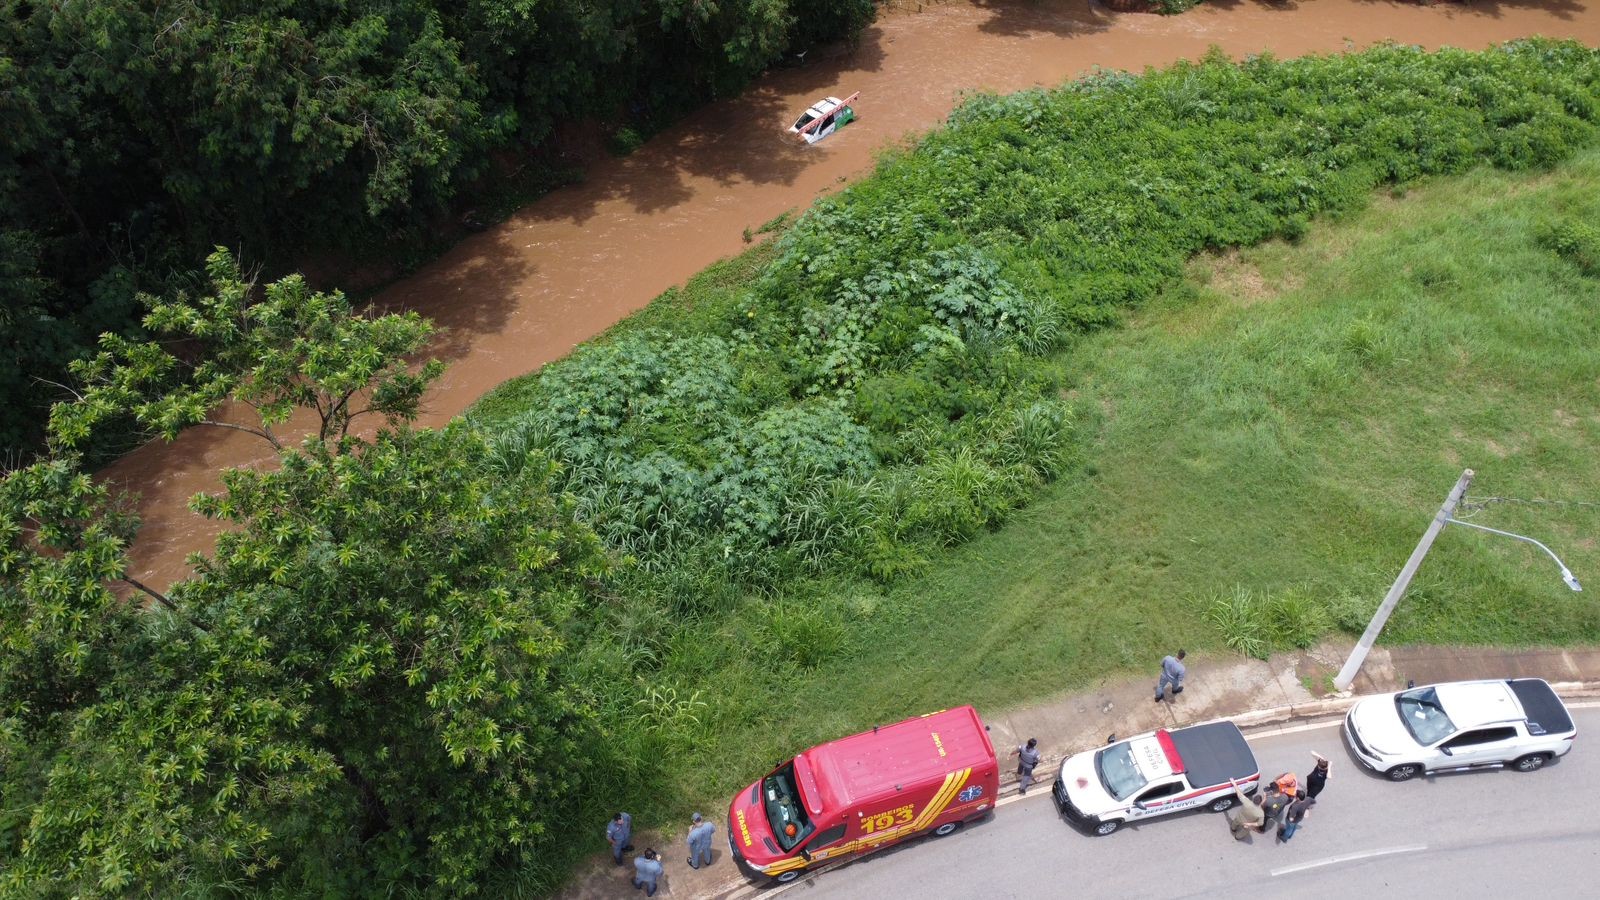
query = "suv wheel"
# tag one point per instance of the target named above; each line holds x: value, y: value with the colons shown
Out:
x: 788, y: 876
x: 1107, y: 827
x: 1533, y: 762
x: 1403, y: 772
x: 946, y: 828
x: 1221, y: 803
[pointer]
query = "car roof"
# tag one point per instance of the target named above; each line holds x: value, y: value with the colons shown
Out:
x: 893, y: 757
x: 1473, y: 703
x: 824, y: 106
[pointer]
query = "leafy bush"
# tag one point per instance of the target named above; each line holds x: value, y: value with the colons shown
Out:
x: 1575, y: 241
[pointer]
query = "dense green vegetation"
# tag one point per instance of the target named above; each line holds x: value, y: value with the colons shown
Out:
x: 431, y: 662
x: 1279, y: 423
x: 139, y: 135
x: 885, y: 387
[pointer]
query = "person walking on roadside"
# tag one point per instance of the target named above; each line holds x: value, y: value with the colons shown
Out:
x: 1172, y: 672
x: 1318, y: 779
x: 700, y: 842
x: 1027, y: 757
x: 647, y: 871
x: 1293, y: 818
x: 1249, y: 817
x: 618, y: 833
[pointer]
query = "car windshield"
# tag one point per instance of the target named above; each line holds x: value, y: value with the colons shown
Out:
x: 804, y: 120
x: 1119, y: 774
x: 1423, y: 715
x: 785, y: 812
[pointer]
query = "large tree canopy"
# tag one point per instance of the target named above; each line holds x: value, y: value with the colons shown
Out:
x: 140, y: 133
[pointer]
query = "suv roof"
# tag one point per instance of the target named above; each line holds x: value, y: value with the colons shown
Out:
x: 1470, y: 704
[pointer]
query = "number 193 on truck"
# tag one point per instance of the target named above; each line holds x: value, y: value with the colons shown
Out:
x: 849, y: 797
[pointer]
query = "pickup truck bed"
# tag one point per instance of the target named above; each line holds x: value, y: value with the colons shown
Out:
x: 1214, y: 753
x: 1542, y: 705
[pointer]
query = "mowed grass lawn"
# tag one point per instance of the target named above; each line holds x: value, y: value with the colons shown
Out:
x: 1286, y: 419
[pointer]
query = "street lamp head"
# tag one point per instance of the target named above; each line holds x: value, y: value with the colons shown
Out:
x: 1572, y: 582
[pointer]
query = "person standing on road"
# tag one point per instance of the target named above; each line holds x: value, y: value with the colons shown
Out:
x: 1027, y: 757
x: 1318, y: 779
x: 618, y: 833
x: 1248, y: 818
x: 1293, y: 818
x: 700, y: 842
x: 1273, y: 804
x: 647, y: 871
x: 1172, y: 672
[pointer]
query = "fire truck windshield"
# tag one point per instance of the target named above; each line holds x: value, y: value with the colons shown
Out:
x: 785, y: 811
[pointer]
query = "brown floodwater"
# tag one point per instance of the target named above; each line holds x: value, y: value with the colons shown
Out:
x: 567, y: 267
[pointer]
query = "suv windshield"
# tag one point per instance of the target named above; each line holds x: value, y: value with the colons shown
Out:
x: 1119, y: 774
x: 787, y: 815
x: 1423, y: 715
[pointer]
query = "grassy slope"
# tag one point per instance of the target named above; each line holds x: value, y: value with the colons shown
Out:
x: 1290, y: 415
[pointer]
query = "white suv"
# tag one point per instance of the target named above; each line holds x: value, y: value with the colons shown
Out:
x: 1460, y: 725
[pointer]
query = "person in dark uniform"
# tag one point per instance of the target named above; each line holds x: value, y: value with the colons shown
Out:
x: 1027, y: 757
x: 1318, y: 779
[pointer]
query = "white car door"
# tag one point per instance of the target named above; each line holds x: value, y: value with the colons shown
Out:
x: 1156, y: 799
x: 1478, y: 747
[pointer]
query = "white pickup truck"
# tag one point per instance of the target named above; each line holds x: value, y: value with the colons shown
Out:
x: 1156, y: 774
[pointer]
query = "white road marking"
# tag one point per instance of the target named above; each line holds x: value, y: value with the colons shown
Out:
x: 1348, y: 857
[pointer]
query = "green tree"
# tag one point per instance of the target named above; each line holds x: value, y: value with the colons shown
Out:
x: 292, y: 348
x: 421, y: 600
x: 63, y: 631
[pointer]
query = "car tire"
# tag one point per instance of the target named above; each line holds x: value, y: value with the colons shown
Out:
x: 1404, y: 772
x: 1533, y: 762
x: 787, y: 877
x: 1221, y: 804
x: 947, y: 828
x: 1109, y: 826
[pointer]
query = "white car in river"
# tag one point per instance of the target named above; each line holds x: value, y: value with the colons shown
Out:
x: 1518, y: 722
x: 824, y: 118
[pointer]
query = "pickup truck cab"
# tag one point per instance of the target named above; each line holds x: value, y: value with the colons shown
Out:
x: 1156, y: 774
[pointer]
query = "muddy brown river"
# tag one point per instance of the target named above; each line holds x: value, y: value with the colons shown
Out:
x: 562, y: 270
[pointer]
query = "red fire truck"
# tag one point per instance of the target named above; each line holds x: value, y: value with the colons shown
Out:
x: 931, y: 774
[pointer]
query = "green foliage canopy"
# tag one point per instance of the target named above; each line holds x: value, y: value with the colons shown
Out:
x: 290, y: 348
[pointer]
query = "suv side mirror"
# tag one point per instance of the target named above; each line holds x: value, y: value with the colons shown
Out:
x: 1446, y: 751
x: 806, y: 854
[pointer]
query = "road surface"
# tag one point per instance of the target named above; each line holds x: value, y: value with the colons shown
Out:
x: 1496, y: 833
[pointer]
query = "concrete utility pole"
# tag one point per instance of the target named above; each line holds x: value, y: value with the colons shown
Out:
x: 1358, y: 655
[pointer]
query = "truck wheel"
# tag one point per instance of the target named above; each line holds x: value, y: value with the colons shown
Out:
x: 946, y: 828
x: 787, y: 877
x: 1221, y: 804
x: 1403, y: 773
x: 1107, y: 827
x: 1533, y: 762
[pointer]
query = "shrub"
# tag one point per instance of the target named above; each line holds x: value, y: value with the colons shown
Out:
x: 1238, y: 617
x: 1575, y: 241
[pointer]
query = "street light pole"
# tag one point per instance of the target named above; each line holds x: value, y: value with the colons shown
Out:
x: 1566, y: 573
x: 1358, y: 654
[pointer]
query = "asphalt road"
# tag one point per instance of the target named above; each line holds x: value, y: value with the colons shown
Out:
x: 1496, y: 833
